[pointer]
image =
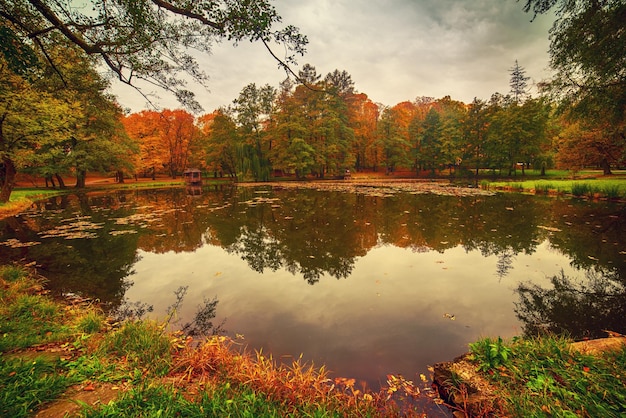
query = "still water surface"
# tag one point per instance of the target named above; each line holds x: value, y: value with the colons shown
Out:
x: 366, y: 281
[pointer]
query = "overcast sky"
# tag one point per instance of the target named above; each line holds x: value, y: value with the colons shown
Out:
x: 394, y: 50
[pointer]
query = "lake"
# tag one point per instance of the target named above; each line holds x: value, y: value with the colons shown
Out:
x: 366, y: 280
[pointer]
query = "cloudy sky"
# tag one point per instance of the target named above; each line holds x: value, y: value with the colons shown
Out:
x: 394, y: 50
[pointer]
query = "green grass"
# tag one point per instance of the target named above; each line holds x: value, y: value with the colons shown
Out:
x: 161, y: 400
x: 27, y: 319
x: 546, y: 377
x: 25, y: 384
x: 34, y: 193
x: 143, y: 344
x: 605, y: 187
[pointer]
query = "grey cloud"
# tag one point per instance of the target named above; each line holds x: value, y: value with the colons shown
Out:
x: 395, y: 50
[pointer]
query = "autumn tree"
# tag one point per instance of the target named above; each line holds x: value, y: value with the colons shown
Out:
x: 143, y: 127
x: 147, y: 40
x: 579, y: 146
x: 165, y: 138
x: 363, y: 120
x: 289, y: 132
x: 177, y: 134
x: 334, y: 127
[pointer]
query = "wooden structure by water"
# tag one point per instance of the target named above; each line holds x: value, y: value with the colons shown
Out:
x: 193, y: 176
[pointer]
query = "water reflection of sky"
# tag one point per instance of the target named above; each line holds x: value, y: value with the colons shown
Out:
x: 391, y: 315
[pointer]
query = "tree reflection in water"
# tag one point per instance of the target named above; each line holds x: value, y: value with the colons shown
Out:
x: 200, y: 325
x: 581, y: 309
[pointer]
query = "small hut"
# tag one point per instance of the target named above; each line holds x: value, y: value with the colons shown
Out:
x: 193, y: 176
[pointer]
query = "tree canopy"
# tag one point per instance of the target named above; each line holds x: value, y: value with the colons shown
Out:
x: 145, y: 40
x: 588, y: 52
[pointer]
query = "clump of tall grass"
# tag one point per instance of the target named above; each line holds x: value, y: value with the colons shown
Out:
x: 612, y: 191
x: 25, y: 318
x: 12, y: 273
x: 516, y: 186
x: 581, y: 189
x: 544, y: 188
x: 141, y: 344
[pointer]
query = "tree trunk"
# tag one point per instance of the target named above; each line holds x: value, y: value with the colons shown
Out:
x: 120, y: 177
x: 50, y: 179
x: 80, y: 179
x: 606, y: 167
x: 60, y: 180
x: 7, y: 179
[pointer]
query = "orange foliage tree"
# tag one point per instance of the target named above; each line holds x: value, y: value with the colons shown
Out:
x: 363, y: 118
x: 166, y: 139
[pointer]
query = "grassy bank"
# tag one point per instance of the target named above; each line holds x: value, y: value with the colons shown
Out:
x: 545, y: 377
x: 602, y: 187
x: 58, y: 358
x: 23, y: 198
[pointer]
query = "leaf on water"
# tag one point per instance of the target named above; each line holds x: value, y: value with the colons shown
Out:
x: 128, y: 231
x: 14, y: 243
x: 549, y: 228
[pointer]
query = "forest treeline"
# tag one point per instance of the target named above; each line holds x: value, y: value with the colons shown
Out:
x: 58, y: 119
x: 322, y: 127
